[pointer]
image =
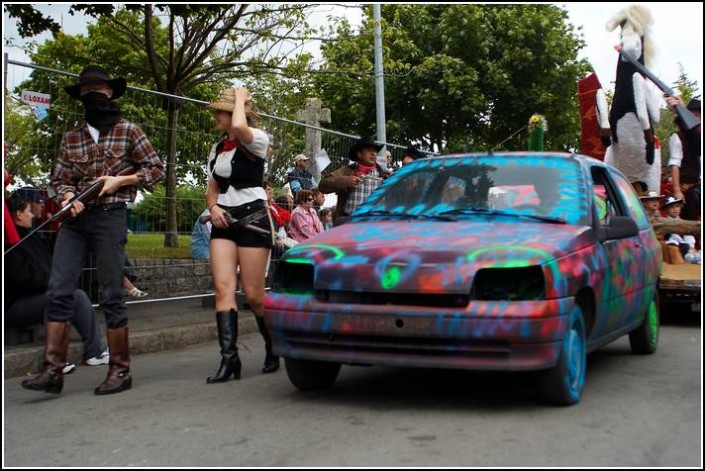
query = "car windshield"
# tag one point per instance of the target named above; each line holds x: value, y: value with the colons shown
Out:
x: 540, y: 187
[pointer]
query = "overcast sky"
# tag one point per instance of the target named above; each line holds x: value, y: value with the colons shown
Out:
x: 677, y: 33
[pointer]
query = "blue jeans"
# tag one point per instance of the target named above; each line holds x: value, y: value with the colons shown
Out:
x: 101, y: 229
x: 30, y: 309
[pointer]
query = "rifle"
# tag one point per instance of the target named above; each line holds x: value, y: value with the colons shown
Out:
x: 85, y: 196
x: 688, y: 118
x: 235, y: 223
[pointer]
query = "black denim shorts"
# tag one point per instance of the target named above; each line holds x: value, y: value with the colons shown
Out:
x: 245, y: 237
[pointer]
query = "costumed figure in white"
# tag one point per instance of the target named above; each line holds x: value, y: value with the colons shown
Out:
x: 635, y: 106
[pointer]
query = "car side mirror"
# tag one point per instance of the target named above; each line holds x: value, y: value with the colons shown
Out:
x: 621, y: 227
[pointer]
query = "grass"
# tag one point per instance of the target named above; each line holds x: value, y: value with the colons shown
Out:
x: 152, y: 246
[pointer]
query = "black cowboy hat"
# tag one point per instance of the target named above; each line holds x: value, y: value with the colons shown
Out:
x: 414, y: 153
x: 363, y: 143
x: 92, y: 74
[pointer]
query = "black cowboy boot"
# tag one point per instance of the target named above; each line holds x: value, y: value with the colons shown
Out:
x: 271, y: 361
x: 119, y: 377
x: 227, y: 336
x: 51, y: 379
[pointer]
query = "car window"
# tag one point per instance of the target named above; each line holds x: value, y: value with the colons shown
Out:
x: 518, y: 185
x: 634, y: 207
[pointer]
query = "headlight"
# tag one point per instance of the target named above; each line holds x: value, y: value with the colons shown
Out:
x: 293, y: 278
x: 509, y: 284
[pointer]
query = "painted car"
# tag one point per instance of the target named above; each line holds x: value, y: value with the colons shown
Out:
x: 438, y: 269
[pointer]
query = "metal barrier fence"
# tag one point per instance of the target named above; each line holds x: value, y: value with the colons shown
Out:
x: 195, y: 134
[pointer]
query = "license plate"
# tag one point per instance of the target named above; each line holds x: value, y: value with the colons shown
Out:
x: 695, y: 307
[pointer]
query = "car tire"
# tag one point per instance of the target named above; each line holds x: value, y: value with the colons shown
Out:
x: 644, y: 339
x: 563, y: 384
x: 311, y: 375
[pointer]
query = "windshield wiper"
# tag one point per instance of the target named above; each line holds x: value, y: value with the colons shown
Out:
x: 495, y: 212
x: 471, y: 211
x: 541, y: 218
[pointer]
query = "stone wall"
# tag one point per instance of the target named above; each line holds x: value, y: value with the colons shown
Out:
x: 168, y: 278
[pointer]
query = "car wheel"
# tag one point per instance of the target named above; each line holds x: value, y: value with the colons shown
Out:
x: 644, y: 339
x: 562, y: 385
x: 311, y: 375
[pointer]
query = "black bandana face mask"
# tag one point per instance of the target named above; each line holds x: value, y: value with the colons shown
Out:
x: 100, y: 112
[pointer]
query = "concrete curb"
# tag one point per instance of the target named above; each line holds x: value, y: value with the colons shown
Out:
x: 29, y: 360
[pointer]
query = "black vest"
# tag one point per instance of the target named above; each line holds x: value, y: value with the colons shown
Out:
x: 247, y: 170
x: 690, y: 165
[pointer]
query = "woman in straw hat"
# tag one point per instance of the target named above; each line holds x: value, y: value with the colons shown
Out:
x: 236, y: 170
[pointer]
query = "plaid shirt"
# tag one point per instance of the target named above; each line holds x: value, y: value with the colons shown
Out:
x: 357, y: 195
x: 81, y: 161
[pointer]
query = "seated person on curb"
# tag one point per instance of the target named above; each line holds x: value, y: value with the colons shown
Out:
x: 25, y: 290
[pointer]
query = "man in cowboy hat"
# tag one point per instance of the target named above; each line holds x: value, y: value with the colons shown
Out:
x: 353, y: 183
x: 110, y: 149
x: 684, y: 161
x: 410, y: 154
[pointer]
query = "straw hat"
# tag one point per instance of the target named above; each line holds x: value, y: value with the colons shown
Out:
x: 226, y: 102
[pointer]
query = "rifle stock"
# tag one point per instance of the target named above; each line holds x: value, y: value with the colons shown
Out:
x: 688, y: 118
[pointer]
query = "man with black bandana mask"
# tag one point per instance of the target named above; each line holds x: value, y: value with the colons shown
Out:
x: 115, y: 151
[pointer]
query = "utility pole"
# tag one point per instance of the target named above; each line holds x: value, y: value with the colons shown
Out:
x: 379, y: 85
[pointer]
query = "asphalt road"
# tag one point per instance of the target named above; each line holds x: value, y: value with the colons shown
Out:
x: 637, y: 411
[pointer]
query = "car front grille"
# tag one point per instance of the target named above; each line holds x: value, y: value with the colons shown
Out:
x: 401, y: 299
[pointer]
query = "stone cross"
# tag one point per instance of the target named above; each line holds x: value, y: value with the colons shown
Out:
x: 313, y: 115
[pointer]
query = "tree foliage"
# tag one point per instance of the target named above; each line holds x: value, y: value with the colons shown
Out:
x: 181, y: 47
x: 458, y: 77
x: 190, y: 203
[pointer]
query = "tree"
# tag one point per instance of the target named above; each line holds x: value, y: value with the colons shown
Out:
x: 458, y: 77
x: 20, y: 159
x: 199, y: 44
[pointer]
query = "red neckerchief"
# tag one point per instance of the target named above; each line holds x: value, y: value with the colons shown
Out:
x: 228, y: 144
x: 363, y: 169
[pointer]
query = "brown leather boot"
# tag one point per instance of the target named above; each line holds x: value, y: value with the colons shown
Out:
x: 51, y: 379
x: 119, y: 377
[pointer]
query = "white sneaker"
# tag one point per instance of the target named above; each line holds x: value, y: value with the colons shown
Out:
x: 102, y: 359
x: 69, y: 368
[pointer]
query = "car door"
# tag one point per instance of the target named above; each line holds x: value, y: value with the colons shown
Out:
x: 621, y: 299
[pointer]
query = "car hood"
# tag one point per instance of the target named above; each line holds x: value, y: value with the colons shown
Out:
x: 430, y: 257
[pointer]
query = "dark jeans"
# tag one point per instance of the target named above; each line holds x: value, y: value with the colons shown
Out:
x: 100, y: 229
x: 30, y: 309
